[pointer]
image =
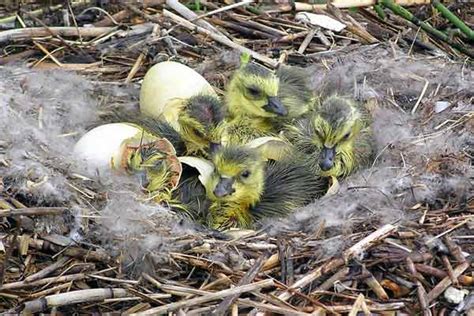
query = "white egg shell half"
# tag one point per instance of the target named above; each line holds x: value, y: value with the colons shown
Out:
x: 101, y: 148
x: 167, y: 81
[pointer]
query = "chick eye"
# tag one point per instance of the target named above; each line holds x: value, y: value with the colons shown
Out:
x: 319, y: 134
x: 245, y: 174
x: 254, y: 92
x: 346, y: 137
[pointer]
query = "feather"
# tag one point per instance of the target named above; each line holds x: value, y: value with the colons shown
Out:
x: 294, y: 90
x: 288, y: 184
x: 153, y: 126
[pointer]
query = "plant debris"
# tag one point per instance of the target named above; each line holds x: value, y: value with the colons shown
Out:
x: 396, y: 238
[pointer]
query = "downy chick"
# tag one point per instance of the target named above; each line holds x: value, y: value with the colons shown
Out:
x: 336, y: 138
x: 193, y: 128
x: 252, y: 95
x: 244, y: 188
x: 294, y: 90
x: 260, y: 101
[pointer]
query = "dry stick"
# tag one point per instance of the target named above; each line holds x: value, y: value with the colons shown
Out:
x: 28, y: 33
x: 33, y: 211
x: 271, y: 308
x: 139, y: 12
x: 422, y: 296
x: 345, y: 4
x: 103, y: 278
x: 373, y: 307
x: 354, y: 251
x: 47, y: 271
x: 42, y: 48
x: 23, y: 284
x: 141, y: 57
x: 74, y: 297
x: 173, y: 289
x: 454, y: 249
x: 357, y: 305
x: 352, y: 25
x: 258, y: 26
x: 372, y: 282
x: 271, y: 262
x: 307, y: 40
x: 106, y: 21
x: 247, y: 278
x: 154, y: 298
x: 210, y: 297
x: 339, y: 275
x: 81, y: 52
x: 219, y: 38
x: 18, y: 56
x: 39, y: 12
x: 226, y: 8
x: 449, y: 269
x: 446, y: 282
x: 49, y: 290
x: 242, y: 29
x: 190, y: 15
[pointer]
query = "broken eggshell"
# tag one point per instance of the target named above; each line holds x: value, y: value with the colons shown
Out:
x: 170, y: 81
x: 108, y: 147
x: 321, y: 20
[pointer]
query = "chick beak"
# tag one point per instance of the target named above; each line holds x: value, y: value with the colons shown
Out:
x: 327, y: 158
x: 214, y: 147
x: 224, y: 187
x: 274, y: 105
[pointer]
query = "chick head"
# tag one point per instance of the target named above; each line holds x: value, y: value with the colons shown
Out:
x: 238, y: 176
x: 159, y: 170
x: 200, y: 117
x: 330, y: 134
x: 253, y: 91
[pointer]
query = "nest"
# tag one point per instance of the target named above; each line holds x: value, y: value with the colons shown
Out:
x: 397, y: 238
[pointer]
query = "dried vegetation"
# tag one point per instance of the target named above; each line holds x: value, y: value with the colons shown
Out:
x: 397, y: 238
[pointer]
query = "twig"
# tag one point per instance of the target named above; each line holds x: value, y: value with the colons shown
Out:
x: 372, y: 282
x: 422, y: 296
x: 247, y: 278
x: 191, y: 16
x: 345, y: 4
x: 210, y: 297
x: 422, y: 94
x: 39, y: 12
x: 368, y: 241
x: 307, y: 40
x: 29, y: 33
x: 454, y: 249
x: 23, y: 284
x: 373, y: 307
x: 223, y: 9
x: 446, y: 282
x: 74, y: 297
x: 336, y: 263
x: 219, y: 38
x: 33, y: 211
x: 47, y: 271
x: 272, y: 308
x: 339, y: 275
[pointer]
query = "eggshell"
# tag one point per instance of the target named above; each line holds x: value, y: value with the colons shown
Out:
x: 101, y: 148
x: 168, y: 81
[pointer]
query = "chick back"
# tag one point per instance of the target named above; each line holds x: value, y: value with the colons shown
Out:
x: 289, y: 184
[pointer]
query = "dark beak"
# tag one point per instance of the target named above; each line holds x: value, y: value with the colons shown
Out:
x: 224, y: 187
x: 214, y: 147
x: 327, y: 158
x: 274, y: 105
